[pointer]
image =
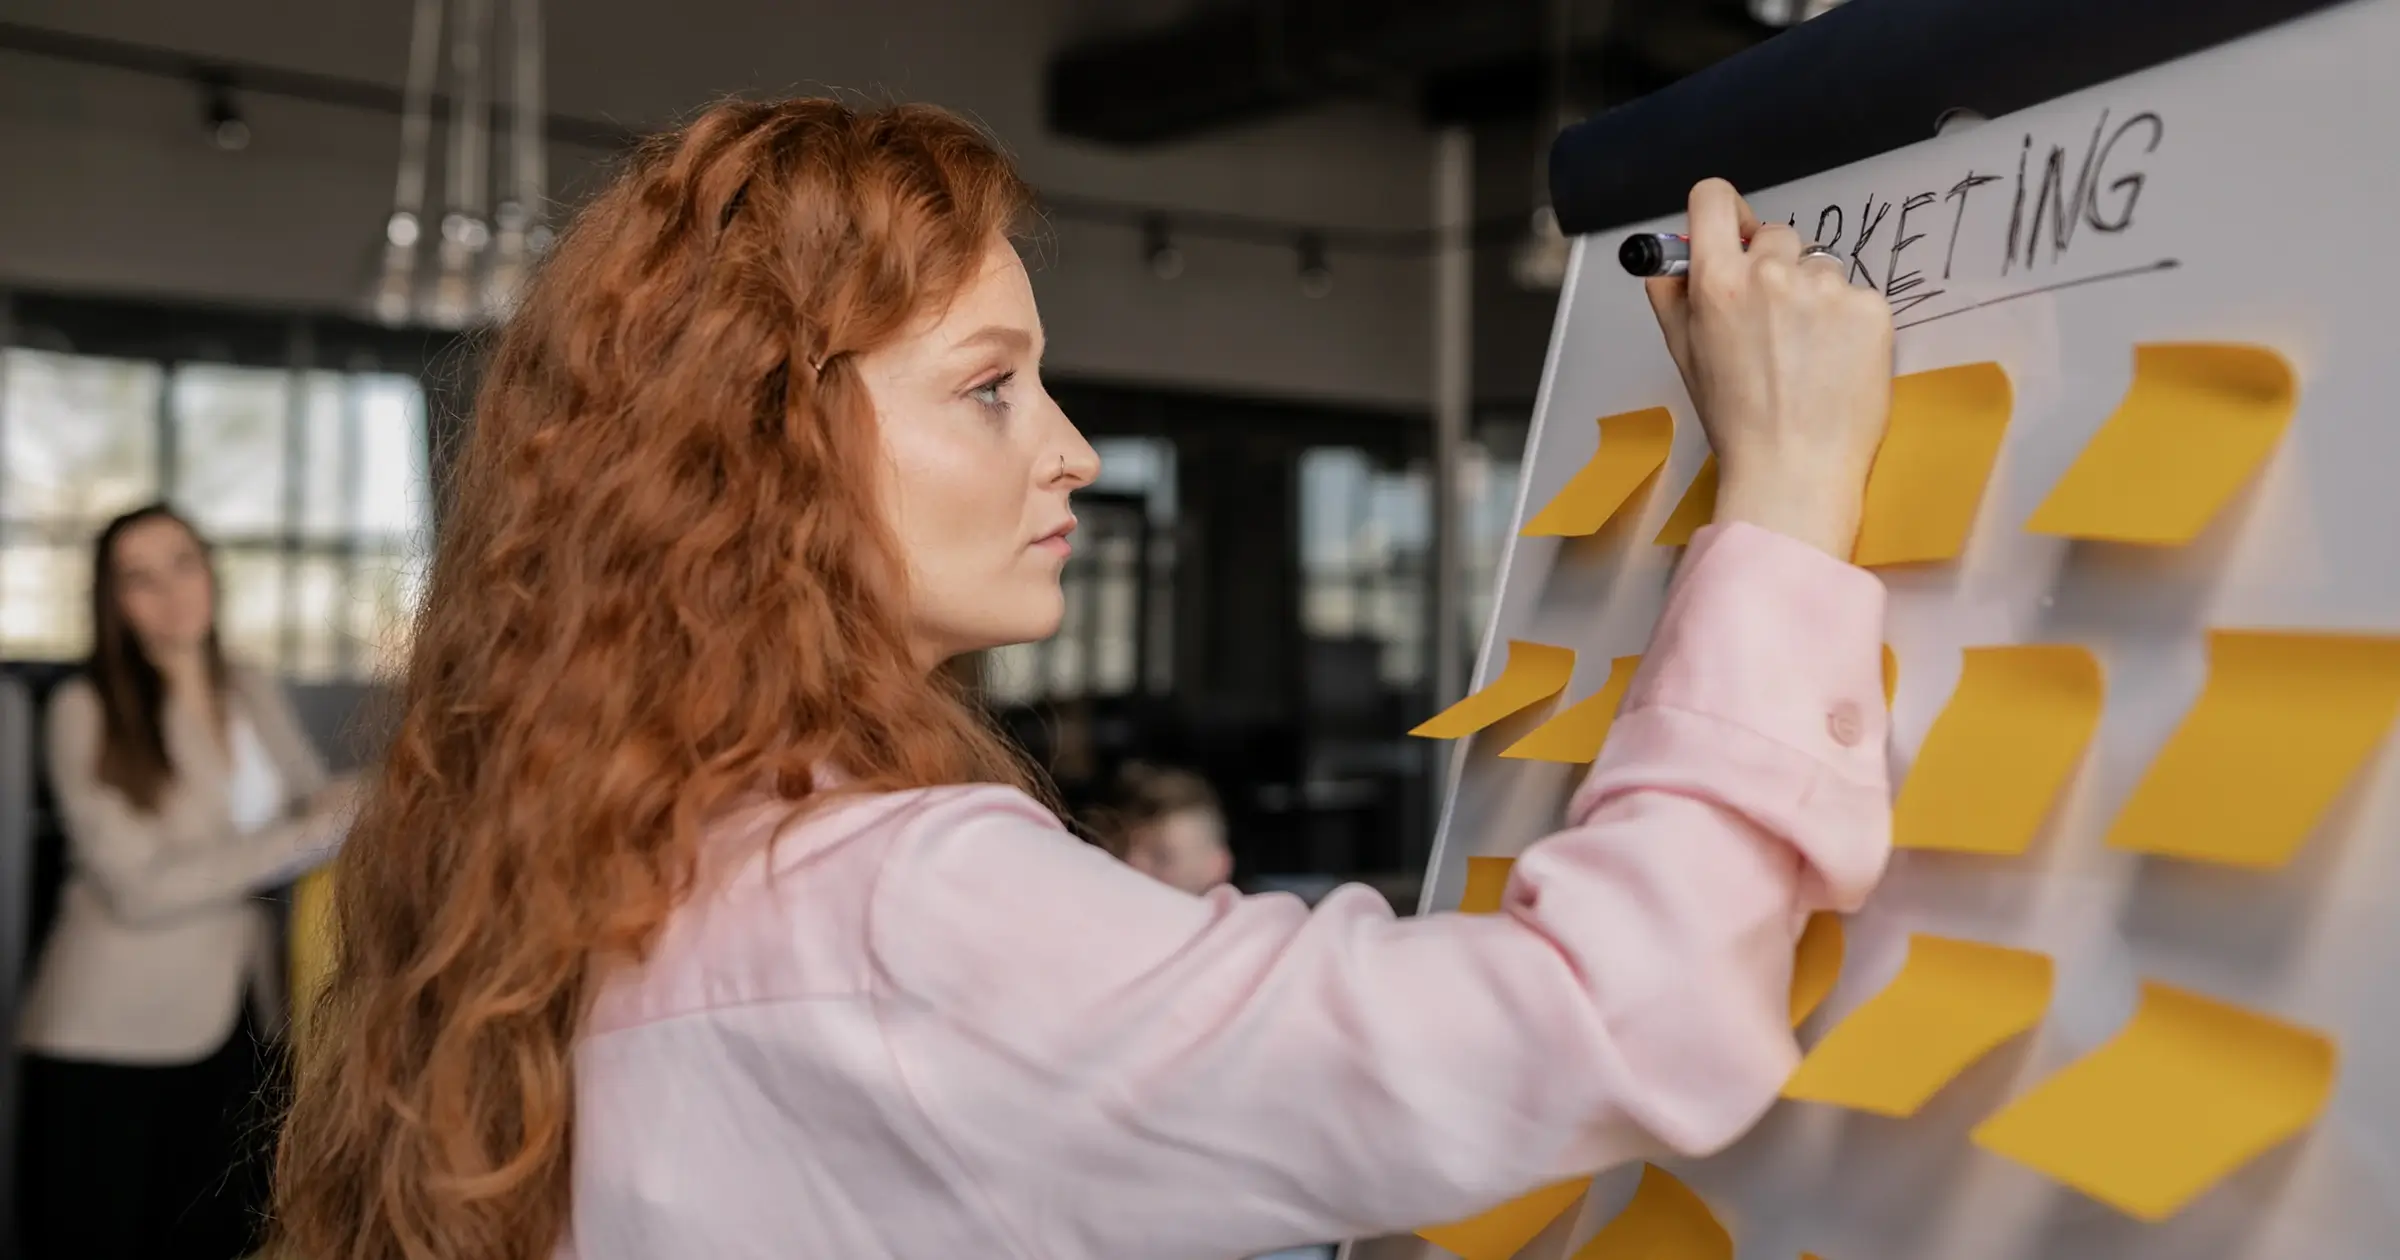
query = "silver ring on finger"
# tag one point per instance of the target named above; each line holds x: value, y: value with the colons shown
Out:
x: 1819, y: 251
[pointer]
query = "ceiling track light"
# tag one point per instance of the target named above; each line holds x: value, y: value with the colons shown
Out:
x: 1159, y: 250
x: 1316, y: 272
x: 220, y: 115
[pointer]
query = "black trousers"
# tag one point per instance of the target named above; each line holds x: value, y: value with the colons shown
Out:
x: 159, y: 1163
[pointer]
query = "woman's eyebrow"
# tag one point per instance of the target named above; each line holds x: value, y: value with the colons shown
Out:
x: 1004, y: 336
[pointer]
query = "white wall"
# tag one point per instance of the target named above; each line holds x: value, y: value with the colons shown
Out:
x: 107, y: 183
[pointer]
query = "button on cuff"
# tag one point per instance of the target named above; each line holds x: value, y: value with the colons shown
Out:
x: 1845, y: 725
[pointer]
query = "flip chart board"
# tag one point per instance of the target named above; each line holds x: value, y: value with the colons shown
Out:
x: 2186, y: 530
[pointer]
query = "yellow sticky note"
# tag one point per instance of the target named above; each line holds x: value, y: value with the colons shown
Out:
x: 1929, y: 474
x: 1696, y: 508
x: 1952, y: 1003
x: 1816, y: 964
x: 1891, y: 676
x: 1633, y: 446
x: 2198, y: 421
x: 2189, y: 1091
x: 1534, y: 673
x: 1664, y: 1221
x: 1575, y: 736
x: 1487, y: 878
x: 1504, y: 1231
x: 2008, y: 741
x: 2282, y: 724
x: 310, y: 947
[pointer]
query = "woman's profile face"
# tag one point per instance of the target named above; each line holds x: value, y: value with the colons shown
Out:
x: 162, y: 586
x: 978, y: 463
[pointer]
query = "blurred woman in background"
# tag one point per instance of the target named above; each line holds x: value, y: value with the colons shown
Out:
x: 186, y: 790
x: 695, y: 914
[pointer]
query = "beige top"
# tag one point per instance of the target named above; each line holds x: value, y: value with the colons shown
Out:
x: 160, y: 926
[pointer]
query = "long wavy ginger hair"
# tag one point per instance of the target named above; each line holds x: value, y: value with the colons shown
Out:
x: 664, y: 584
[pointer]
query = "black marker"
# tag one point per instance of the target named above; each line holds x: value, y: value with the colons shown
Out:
x: 1648, y: 254
x: 1656, y: 253
x: 1659, y: 253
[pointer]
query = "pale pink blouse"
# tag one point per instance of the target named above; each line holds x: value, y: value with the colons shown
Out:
x: 935, y: 1026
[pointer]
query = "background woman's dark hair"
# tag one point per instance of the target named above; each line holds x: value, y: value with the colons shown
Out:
x: 1145, y: 794
x: 133, y: 694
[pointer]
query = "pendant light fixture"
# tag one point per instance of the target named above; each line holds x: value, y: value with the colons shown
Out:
x: 487, y: 77
x: 1539, y: 261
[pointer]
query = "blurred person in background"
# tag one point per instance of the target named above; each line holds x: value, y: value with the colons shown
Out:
x: 1167, y: 824
x: 186, y: 790
x: 694, y: 912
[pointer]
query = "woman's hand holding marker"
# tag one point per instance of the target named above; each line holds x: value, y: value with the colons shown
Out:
x: 1789, y: 367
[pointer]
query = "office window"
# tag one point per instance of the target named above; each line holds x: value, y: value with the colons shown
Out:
x: 1487, y: 492
x: 1366, y: 542
x: 1366, y: 536
x: 79, y: 443
x: 313, y: 486
x: 1116, y: 636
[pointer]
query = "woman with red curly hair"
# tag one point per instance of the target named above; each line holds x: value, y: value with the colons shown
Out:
x: 694, y: 914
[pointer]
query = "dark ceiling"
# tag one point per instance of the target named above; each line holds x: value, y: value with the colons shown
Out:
x: 1458, y: 61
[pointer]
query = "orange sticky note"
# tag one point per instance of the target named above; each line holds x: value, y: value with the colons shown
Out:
x: 1534, y: 673
x: 2282, y: 725
x: 1575, y: 736
x: 1487, y: 878
x: 1952, y: 1003
x: 2199, y: 419
x: 1891, y: 676
x: 1937, y: 453
x: 1696, y: 508
x: 1816, y: 964
x: 2008, y: 741
x: 1504, y: 1231
x: 2188, y: 1092
x: 1633, y: 446
x: 1664, y: 1221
